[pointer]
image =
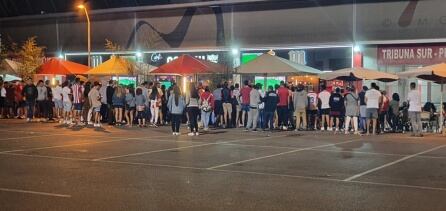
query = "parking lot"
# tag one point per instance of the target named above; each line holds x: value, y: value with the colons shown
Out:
x: 48, y: 167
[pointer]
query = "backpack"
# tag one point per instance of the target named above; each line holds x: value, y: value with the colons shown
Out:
x: 205, y: 105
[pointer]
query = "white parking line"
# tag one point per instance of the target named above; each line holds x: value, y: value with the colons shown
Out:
x: 26, y: 137
x: 279, y: 154
x: 238, y: 171
x: 187, y: 147
x: 392, y: 163
x: 378, y: 153
x: 35, y: 192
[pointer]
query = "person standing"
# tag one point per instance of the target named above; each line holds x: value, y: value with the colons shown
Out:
x: 373, y: 99
x: 383, y: 111
x: 271, y: 99
x: 414, y: 100
x: 77, y: 92
x: 130, y: 105
x: 261, y: 121
x: 300, y: 102
x: 110, y: 90
x: 244, y: 95
x: 140, y: 102
x: 282, y: 106
x: 337, y: 106
x: 351, y: 110
x: 29, y: 93
x: 312, y: 110
x: 41, y: 101
x: 155, y: 104
x: 394, y: 110
x: 176, y: 106
x: 237, y: 104
x: 67, y: 103
x: 324, y: 98
x: 95, y: 102
x: 193, y: 110
x: 206, y: 105
x: 227, y: 104
x: 253, y: 114
x: 218, y: 105
x: 118, y: 101
x: 363, y: 109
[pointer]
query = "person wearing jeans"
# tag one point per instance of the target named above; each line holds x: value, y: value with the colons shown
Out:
x: 30, y: 93
x: 206, y: 104
x: 282, y: 106
x: 176, y: 106
x: 253, y: 113
x: 414, y: 99
x: 270, y: 101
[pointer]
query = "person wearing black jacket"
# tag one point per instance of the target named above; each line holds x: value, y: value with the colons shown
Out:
x: 49, y: 101
x: 29, y: 93
x: 109, y: 92
x: 337, y: 106
x: 271, y: 99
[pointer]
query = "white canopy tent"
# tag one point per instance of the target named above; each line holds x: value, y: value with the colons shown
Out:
x: 269, y: 65
x: 358, y: 74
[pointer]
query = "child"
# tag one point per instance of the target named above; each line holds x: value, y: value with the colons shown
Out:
x: 140, y: 102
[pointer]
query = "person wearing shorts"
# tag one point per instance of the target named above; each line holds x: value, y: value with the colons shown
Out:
x: 218, y: 110
x: 373, y: 99
x: 337, y: 106
x: 324, y: 98
x: 67, y: 104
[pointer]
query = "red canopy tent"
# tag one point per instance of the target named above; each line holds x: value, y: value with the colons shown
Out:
x: 188, y: 65
x: 56, y: 66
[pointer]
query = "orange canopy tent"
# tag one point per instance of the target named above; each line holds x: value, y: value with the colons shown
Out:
x: 188, y: 65
x: 56, y: 66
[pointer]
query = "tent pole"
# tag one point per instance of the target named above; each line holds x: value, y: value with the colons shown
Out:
x: 441, y: 107
x: 265, y: 81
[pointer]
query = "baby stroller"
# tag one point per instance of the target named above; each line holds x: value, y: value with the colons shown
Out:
x: 404, y: 121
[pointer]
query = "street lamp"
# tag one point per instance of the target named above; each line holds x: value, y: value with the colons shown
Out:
x: 82, y: 7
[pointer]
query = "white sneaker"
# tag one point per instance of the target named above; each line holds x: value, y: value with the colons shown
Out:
x: 89, y: 122
x: 196, y: 134
x: 206, y: 129
x: 285, y: 128
x: 191, y: 134
x: 322, y: 128
x: 28, y: 119
x: 95, y: 125
x: 174, y: 134
x: 329, y: 129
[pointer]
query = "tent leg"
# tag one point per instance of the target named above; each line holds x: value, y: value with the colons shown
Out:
x: 442, y: 130
x: 265, y: 81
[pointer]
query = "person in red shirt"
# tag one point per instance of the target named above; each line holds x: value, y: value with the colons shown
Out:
x: 282, y: 106
x: 383, y: 111
x: 245, y: 98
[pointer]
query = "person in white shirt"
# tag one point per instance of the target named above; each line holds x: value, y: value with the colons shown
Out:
x: 67, y: 104
x: 414, y: 100
x: 324, y: 98
x: 373, y: 99
x: 57, y: 98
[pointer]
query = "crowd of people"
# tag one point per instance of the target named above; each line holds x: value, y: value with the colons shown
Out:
x: 282, y: 107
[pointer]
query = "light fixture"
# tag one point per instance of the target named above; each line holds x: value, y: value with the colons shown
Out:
x: 61, y: 56
x: 357, y: 49
x: 80, y: 6
x: 138, y: 54
x: 235, y: 51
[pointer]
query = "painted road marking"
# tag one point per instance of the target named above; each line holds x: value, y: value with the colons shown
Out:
x: 279, y: 154
x: 187, y: 147
x: 35, y: 192
x: 392, y: 163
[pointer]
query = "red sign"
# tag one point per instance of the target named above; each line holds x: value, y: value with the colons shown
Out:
x: 408, y: 55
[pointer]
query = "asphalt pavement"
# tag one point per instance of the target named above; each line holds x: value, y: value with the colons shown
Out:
x: 46, y: 166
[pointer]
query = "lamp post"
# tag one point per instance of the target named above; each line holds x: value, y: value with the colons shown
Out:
x: 82, y: 7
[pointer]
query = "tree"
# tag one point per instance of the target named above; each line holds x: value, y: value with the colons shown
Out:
x: 31, y: 56
x: 112, y: 46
